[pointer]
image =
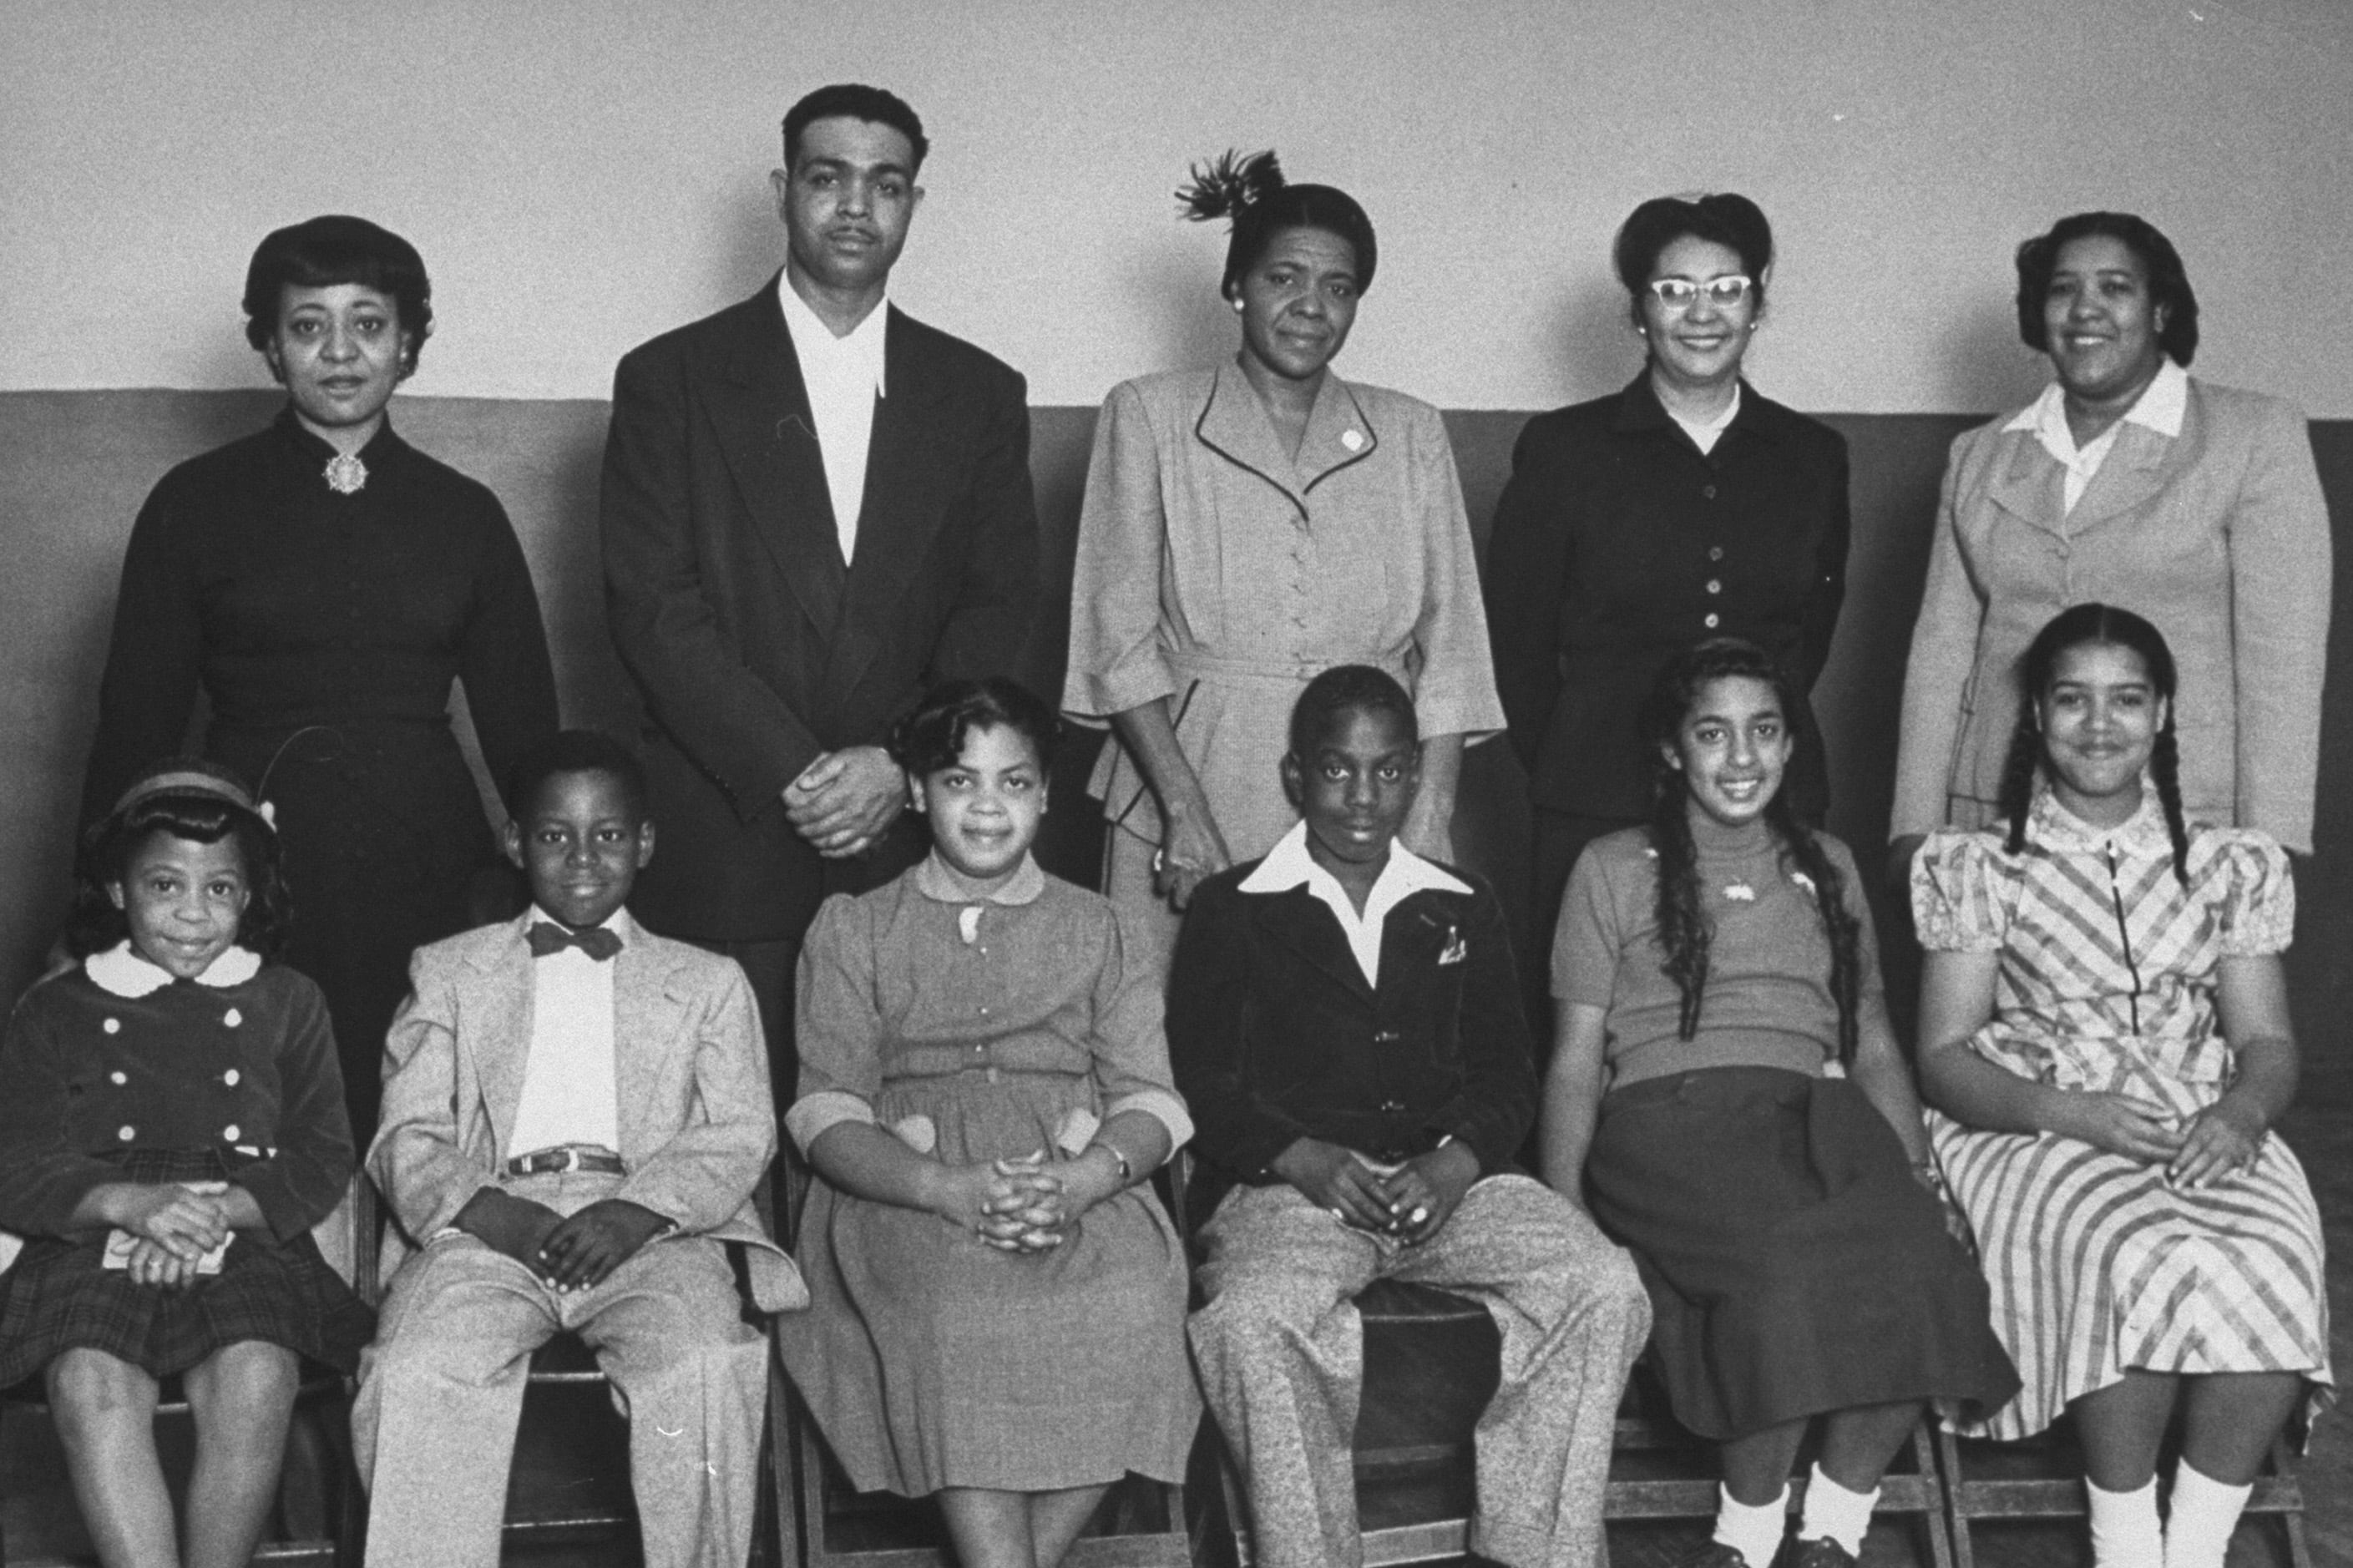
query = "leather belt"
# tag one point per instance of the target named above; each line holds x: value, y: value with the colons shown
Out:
x: 566, y: 1157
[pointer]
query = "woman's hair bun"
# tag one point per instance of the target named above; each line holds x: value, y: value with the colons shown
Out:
x: 1227, y: 184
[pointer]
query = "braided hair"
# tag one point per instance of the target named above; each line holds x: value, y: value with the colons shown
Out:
x: 1684, y: 932
x: 2083, y: 625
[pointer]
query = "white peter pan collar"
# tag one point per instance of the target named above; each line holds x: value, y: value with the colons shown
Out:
x: 123, y: 973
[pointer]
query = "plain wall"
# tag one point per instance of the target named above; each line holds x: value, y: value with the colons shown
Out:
x: 583, y: 173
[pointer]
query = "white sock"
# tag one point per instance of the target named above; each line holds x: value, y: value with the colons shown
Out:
x: 1834, y: 1513
x: 1752, y: 1530
x: 2125, y: 1532
x: 2203, y: 1514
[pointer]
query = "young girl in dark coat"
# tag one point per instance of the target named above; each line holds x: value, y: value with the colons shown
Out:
x: 1727, y: 1091
x: 172, y: 1128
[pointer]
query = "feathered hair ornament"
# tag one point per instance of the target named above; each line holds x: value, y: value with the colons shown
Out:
x: 1227, y: 186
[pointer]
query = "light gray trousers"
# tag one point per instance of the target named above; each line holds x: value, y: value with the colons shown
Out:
x: 1280, y: 1352
x: 441, y: 1389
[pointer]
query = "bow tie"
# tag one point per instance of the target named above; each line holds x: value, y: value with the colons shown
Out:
x: 546, y: 937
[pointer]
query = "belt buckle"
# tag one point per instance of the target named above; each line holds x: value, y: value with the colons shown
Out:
x: 567, y: 1160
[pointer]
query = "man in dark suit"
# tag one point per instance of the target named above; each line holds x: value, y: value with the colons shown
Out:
x: 814, y: 507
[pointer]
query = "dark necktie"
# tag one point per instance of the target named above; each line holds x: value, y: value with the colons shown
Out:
x: 546, y: 937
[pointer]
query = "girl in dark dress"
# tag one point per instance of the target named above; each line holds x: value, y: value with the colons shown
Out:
x: 1685, y: 506
x: 323, y: 583
x: 172, y: 1128
x: 1718, y: 991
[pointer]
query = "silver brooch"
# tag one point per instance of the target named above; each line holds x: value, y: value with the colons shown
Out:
x: 346, y: 475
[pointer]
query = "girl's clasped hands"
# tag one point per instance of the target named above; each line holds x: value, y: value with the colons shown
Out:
x: 2214, y: 1145
x: 176, y: 1226
x: 1028, y: 1204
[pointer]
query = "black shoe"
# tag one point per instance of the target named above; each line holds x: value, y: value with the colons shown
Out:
x: 1715, y: 1555
x: 1824, y: 1552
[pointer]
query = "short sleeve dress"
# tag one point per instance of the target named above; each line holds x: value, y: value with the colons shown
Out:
x: 116, y: 1072
x: 2107, y: 980
x: 984, y: 1028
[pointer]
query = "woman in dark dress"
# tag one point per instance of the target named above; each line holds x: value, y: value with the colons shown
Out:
x: 323, y: 582
x: 1685, y: 506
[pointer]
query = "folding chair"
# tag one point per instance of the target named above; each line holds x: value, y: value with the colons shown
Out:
x: 2043, y: 1478
x: 1660, y: 1471
x: 569, y: 1478
x: 1431, y: 1364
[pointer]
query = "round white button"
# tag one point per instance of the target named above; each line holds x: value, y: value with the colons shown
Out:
x: 126, y: 1133
x: 119, y: 1075
x: 229, y: 1132
x: 230, y: 1076
x: 1710, y: 623
x: 233, y: 1018
x: 113, y: 1025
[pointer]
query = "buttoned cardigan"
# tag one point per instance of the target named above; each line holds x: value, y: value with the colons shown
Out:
x: 1619, y: 543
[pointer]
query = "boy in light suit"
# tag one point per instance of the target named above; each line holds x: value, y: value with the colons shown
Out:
x: 576, y: 1113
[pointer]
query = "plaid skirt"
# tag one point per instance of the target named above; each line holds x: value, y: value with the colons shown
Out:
x: 61, y: 1296
x: 1794, y: 1265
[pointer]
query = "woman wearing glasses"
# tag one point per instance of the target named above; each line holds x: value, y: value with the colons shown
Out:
x: 1682, y: 507
x: 2195, y: 505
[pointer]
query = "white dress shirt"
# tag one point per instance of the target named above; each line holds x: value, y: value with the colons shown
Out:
x: 1289, y: 865
x: 843, y: 376
x: 2159, y: 407
x: 570, y: 1092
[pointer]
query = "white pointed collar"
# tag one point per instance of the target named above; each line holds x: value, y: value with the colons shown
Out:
x: 120, y: 972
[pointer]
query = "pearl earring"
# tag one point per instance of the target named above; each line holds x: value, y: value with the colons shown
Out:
x: 1238, y: 305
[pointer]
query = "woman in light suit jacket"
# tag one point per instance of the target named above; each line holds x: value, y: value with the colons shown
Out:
x: 2194, y: 505
x: 1248, y: 525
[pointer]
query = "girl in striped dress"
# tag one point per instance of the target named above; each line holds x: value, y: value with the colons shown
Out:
x: 2105, y: 1028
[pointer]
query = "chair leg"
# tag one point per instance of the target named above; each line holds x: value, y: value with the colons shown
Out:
x: 1924, y: 1454
x: 1949, y: 1452
x: 779, y: 1447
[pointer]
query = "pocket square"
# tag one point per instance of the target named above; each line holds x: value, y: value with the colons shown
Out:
x: 1456, y: 950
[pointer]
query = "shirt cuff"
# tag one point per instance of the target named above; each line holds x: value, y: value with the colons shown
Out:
x: 1161, y: 1107
x: 814, y: 1115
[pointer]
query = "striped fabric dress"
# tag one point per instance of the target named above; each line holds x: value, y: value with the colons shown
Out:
x: 2107, y: 982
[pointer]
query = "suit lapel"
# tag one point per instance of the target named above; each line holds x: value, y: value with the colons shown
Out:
x: 1417, y: 935
x: 900, y: 514
x: 1299, y: 921
x: 644, y: 1018
x: 760, y: 409
x: 2026, y: 482
x: 1338, y: 435
x: 504, y: 999
x: 1234, y: 424
x: 2138, y: 467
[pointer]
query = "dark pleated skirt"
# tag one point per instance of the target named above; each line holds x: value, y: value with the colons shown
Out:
x: 1795, y: 1265
x: 60, y: 1297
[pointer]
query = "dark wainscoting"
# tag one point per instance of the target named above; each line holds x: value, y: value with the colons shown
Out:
x: 75, y: 466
